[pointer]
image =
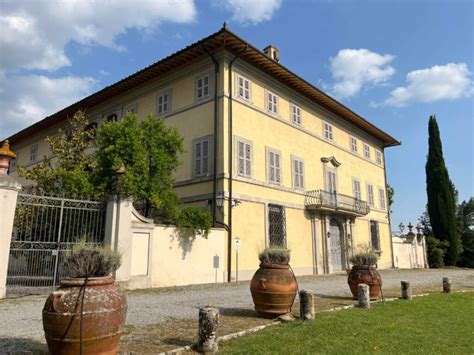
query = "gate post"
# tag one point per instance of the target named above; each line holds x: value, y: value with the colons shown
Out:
x: 8, y: 195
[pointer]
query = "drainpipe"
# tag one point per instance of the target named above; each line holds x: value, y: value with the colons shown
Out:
x: 388, y: 209
x: 214, y: 180
x: 229, y: 212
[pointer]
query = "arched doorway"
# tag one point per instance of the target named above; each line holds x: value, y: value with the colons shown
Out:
x: 335, y: 245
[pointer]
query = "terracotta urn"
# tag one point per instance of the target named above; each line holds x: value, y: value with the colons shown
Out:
x: 365, y: 274
x: 104, y: 308
x: 273, y: 289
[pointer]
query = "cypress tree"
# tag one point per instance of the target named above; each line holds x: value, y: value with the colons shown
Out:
x: 441, y: 196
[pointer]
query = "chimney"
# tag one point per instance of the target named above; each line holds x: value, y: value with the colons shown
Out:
x: 272, y: 52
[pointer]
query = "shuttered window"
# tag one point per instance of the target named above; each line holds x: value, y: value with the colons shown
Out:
x: 356, y: 187
x: 274, y: 166
x: 353, y: 145
x: 382, y: 202
x: 244, y: 158
x: 366, y: 151
x: 272, y: 103
x: 163, y: 103
x: 298, y: 173
x: 378, y: 157
x: 328, y: 131
x: 295, y: 114
x: 370, y: 195
x: 202, y: 156
x: 202, y: 87
x: 243, y: 88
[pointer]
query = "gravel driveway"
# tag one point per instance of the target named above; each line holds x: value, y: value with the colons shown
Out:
x: 20, y: 318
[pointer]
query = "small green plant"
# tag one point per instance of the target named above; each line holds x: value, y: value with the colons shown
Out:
x: 275, y: 256
x: 86, y: 260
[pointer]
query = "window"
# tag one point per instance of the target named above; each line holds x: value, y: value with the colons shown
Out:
x: 272, y: 103
x: 113, y: 117
x: 328, y: 131
x: 243, y: 88
x: 382, y: 199
x: 132, y: 109
x: 295, y: 114
x: 374, y: 235
x: 378, y: 157
x: 298, y: 173
x: 370, y: 195
x: 163, y: 103
x: 356, y: 188
x: 202, y: 156
x: 276, y: 226
x: 202, y: 87
x: 366, y: 151
x: 244, y: 158
x: 34, y: 153
x: 13, y: 164
x: 353, y: 145
x: 274, y: 166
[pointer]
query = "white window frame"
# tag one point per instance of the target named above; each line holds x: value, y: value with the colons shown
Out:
x: 298, y: 173
x: 241, y: 90
x: 367, y: 151
x: 357, y: 192
x: 296, y: 114
x: 164, y: 109
x: 272, y: 103
x: 201, y: 90
x: 275, y: 167
x: 33, y: 153
x: 378, y: 157
x: 370, y: 195
x: 245, y: 159
x: 328, y: 131
x: 354, y: 145
x: 382, y: 199
x: 199, y: 142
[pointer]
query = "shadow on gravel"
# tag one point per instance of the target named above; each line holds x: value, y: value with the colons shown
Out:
x: 176, y: 341
x: 238, y: 312
x: 322, y: 295
x: 22, y: 345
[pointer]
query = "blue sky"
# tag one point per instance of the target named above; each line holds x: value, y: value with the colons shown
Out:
x: 393, y: 62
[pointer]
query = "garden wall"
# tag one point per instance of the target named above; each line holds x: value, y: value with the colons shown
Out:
x: 408, y: 253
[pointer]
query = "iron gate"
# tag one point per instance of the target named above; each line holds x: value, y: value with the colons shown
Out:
x: 45, y: 227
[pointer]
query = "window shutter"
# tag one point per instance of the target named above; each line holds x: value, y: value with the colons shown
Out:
x: 197, y: 163
x: 301, y: 174
x: 205, y: 157
x: 248, y: 160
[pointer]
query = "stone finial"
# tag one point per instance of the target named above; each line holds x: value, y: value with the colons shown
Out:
x: 6, y: 155
x: 208, y: 322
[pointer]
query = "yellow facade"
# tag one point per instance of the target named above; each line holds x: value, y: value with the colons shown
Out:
x: 307, y: 230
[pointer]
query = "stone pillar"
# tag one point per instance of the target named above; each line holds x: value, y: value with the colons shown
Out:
x: 316, y: 242
x: 118, y: 233
x: 306, y: 305
x: 447, y: 285
x: 208, y: 322
x: 364, y: 296
x: 406, y: 290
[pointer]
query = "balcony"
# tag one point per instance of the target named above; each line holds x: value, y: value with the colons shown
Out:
x: 332, y: 201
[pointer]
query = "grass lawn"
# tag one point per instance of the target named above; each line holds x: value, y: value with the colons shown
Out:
x: 438, y: 323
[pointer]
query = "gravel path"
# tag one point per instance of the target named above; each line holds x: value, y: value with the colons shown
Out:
x: 20, y: 318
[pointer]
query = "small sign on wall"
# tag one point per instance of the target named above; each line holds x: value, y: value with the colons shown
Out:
x: 216, y: 261
x: 237, y: 243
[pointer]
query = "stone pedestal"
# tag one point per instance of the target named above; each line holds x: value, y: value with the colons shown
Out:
x: 446, y: 285
x: 306, y: 305
x: 406, y: 290
x: 208, y: 322
x: 8, y: 195
x: 364, y: 296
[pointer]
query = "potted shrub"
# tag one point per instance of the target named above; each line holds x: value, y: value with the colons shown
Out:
x: 273, y: 286
x: 364, y: 271
x: 88, y: 296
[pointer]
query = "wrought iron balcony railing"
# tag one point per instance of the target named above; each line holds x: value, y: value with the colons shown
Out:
x: 325, y: 200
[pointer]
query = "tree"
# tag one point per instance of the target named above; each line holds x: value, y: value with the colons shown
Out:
x: 435, y: 249
x: 149, y: 152
x: 441, y: 196
x: 390, y: 194
x: 70, y: 169
x: 465, y: 210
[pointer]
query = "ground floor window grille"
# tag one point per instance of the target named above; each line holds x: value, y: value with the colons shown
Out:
x: 374, y: 235
x: 276, y: 226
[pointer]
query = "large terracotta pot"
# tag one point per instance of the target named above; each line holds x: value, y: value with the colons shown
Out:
x: 104, y: 312
x: 367, y: 275
x: 273, y: 289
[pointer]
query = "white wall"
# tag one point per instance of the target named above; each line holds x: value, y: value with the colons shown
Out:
x: 407, y: 253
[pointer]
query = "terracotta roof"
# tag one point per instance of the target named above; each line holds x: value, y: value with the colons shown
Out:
x: 223, y: 39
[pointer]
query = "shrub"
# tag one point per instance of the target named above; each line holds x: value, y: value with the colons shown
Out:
x: 275, y: 256
x: 91, y: 261
x: 364, y: 258
x: 435, y: 252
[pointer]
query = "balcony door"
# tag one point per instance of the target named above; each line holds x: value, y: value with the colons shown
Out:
x: 331, y: 185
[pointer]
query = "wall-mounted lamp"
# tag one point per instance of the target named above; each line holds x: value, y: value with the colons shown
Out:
x: 221, y: 198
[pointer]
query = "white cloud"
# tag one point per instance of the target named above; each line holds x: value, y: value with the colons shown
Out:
x: 26, y: 99
x: 352, y: 69
x: 252, y: 11
x: 33, y: 34
x: 440, y: 82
